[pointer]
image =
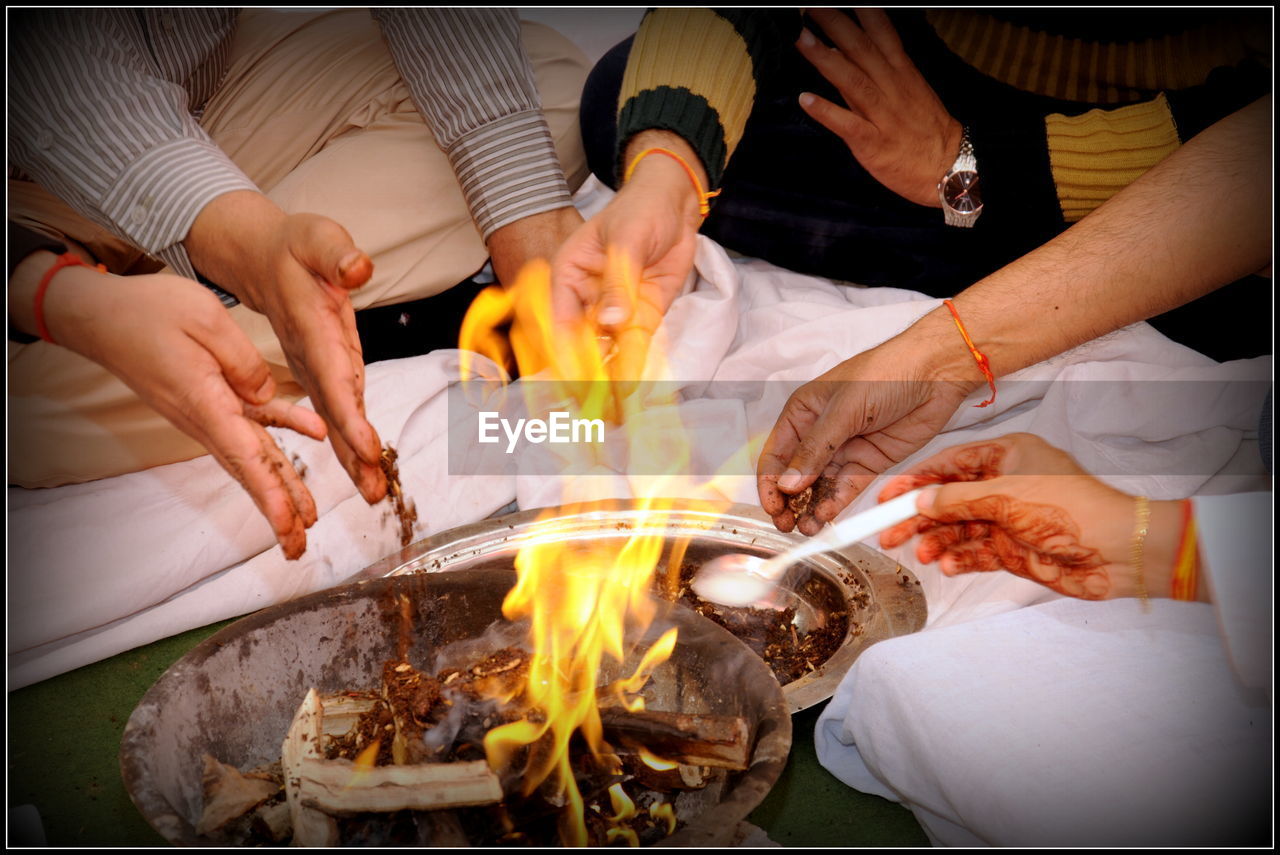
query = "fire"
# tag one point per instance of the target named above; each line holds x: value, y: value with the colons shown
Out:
x: 623, y: 808
x: 586, y: 601
x: 368, y: 758
x: 653, y: 761
x: 664, y: 813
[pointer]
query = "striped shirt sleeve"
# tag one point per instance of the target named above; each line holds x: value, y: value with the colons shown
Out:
x: 96, y: 117
x: 471, y: 81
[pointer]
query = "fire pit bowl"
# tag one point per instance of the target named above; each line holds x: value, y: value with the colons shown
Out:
x: 882, y: 598
x: 234, y: 695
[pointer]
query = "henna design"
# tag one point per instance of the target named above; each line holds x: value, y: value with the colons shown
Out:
x: 1037, y: 542
x: 975, y: 558
x: 942, y: 538
x: 978, y: 463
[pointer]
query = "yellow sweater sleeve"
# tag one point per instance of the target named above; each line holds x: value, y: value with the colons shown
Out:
x: 695, y: 72
x: 1098, y: 153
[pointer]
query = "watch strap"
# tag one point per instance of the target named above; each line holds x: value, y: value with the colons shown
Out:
x: 966, y: 161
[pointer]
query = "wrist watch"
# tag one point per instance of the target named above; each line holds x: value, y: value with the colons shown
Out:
x: 959, y: 190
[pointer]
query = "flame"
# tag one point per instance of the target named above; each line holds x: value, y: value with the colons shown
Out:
x: 626, y: 834
x: 655, y: 762
x: 623, y: 808
x: 364, y: 763
x: 586, y: 600
x: 664, y: 812
x: 368, y: 758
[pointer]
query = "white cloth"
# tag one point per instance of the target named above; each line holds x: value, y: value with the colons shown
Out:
x: 1067, y: 723
x: 1236, y: 537
x: 102, y: 567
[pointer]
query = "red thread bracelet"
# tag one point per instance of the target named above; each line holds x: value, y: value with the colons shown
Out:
x: 65, y: 260
x: 984, y: 365
x: 704, y: 205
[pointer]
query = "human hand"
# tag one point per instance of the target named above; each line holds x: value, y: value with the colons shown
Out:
x: 172, y: 342
x: 840, y: 431
x: 1019, y: 504
x: 625, y: 266
x: 895, y: 126
x: 539, y: 236
x: 298, y: 270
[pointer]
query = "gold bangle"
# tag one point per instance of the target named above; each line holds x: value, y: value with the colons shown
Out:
x: 1142, y: 513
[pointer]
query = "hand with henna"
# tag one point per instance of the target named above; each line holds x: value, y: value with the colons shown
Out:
x: 1017, y: 503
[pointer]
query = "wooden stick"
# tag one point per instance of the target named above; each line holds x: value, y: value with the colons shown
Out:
x: 690, y: 739
x: 229, y: 794
x: 302, y: 746
x: 341, y: 712
x: 336, y: 786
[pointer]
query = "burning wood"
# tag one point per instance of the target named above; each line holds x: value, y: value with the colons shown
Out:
x: 696, y: 740
x: 336, y: 787
x: 662, y: 775
x: 318, y: 787
x: 354, y: 753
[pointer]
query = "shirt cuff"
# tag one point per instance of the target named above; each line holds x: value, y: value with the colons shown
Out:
x: 509, y: 170
x: 156, y: 198
x: 154, y: 211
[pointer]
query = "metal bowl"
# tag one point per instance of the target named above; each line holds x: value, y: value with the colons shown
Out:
x: 883, y: 598
x: 234, y: 695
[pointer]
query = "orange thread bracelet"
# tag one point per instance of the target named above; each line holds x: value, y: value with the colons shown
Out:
x: 65, y: 260
x: 704, y: 204
x: 1186, y: 570
x: 984, y: 364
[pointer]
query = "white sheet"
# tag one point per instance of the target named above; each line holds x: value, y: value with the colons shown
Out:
x: 102, y: 567
x: 1068, y: 723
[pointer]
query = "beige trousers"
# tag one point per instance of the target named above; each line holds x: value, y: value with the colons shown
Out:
x: 313, y: 110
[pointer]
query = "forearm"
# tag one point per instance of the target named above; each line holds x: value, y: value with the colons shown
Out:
x: 232, y: 241
x: 1197, y: 221
x: 70, y: 301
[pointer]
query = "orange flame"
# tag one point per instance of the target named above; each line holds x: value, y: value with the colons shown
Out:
x: 627, y: 834
x: 585, y: 600
x: 655, y: 762
x: 623, y: 808
x: 665, y: 813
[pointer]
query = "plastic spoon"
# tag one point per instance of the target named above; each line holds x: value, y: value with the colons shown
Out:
x: 740, y: 580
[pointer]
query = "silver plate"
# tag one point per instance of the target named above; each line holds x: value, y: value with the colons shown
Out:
x: 883, y: 598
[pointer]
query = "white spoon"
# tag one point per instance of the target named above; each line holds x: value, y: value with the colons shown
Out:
x: 746, y: 580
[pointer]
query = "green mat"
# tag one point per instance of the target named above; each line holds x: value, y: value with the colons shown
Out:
x: 64, y: 741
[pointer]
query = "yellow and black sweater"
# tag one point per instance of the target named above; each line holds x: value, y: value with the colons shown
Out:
x: 1117, y: 90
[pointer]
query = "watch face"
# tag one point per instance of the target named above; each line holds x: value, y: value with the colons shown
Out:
x: 961, y: 191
